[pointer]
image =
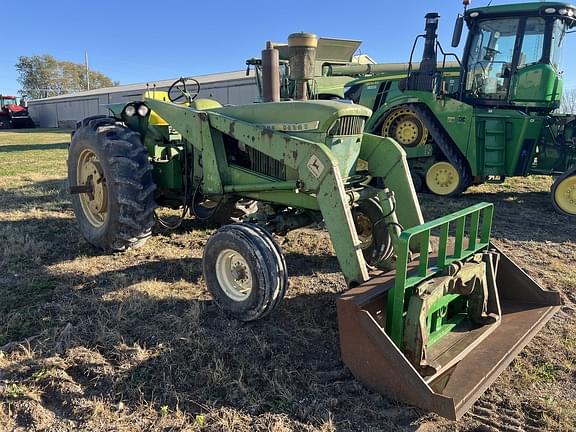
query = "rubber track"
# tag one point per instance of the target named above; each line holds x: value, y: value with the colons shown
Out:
x: 445, y: 144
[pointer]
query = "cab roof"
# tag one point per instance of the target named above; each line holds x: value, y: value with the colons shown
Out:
x: 519, y: 8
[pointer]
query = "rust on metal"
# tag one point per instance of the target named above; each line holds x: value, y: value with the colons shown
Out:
x: 376, y: 361
x: 270, y: 73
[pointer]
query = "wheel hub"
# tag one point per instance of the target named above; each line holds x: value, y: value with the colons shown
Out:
x: 442, y: 178
x: 405, y: 127
x: 233, y: 274
x: 364, y: 230
x: 95, y: 202
x: 406, y: 132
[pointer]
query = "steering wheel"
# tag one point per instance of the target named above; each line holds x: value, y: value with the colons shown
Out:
x: 491, y: 53
x: 179, y: 91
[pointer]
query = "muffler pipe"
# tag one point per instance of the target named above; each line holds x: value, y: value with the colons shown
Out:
x: 302, y: 53
x: 270, y: 73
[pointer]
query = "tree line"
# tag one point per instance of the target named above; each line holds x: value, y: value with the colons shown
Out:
x: 43, y: 76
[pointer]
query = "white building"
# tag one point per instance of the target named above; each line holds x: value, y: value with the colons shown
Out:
x: 233, y: 88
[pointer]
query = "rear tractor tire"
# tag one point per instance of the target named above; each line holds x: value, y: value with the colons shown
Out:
x: 563, y: 194
x: 111, y: 183
x: 245, y: 271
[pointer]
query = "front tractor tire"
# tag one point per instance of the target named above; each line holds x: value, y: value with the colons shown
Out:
x: 563, y: 193
x: 111, y: 183
x: 245, y: 271
x: 371, y: 228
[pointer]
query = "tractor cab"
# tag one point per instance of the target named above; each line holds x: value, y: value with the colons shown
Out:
x: 512, y: 54
x: 7, y: 100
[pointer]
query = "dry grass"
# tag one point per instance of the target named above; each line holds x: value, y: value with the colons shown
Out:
x: 133, y: 341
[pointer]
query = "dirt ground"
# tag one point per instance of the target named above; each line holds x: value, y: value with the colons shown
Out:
x: 132, y: 341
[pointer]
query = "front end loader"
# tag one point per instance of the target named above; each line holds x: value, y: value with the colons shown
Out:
x: 434, y: 311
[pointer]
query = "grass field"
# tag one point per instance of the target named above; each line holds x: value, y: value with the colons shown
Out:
x: 132, y: 341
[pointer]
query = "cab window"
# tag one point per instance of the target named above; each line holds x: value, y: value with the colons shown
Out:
x: 490, y: 58
x: 533, y: 43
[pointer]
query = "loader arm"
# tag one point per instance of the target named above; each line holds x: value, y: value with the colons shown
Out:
x: 387, y: 159
x: 325, y: 182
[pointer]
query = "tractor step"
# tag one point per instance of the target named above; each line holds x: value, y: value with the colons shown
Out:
x: 472, y: 360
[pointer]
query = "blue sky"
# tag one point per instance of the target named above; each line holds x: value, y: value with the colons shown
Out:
x: 139, y: 41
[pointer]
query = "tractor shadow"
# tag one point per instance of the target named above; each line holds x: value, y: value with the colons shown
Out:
x: 49, y: 195
x: 288, y: 363
x: 33, y: 147
x: 39, y: 130
x: 135, y: 345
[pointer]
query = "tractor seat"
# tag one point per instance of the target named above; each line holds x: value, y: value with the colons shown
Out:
x: 204, y: 104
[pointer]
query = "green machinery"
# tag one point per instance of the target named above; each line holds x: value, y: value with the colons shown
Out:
x: 431, y: 326
x: 487, y: 117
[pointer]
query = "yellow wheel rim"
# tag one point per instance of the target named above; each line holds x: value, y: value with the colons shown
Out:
x: 442, y: 178
x: 405, y: 127
x: 94, y: 203
x: 565, y: 195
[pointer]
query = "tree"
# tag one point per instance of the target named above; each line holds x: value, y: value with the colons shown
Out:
x: 44, y: 76
x: 568, y: 104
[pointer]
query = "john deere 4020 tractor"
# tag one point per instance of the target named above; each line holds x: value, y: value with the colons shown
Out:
x: 481, y: 119
x: 431, y: 326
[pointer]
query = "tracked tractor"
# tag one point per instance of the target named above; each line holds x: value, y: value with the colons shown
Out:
x: 486, y: 117
x: 12, y: 114
x: 434, y: 312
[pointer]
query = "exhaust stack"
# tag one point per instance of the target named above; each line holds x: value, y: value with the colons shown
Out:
x: 428, y: 63
x: 302, y: 53
x: 423, y: 79
x: 270, y: 73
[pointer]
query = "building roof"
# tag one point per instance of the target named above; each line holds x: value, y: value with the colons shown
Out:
x: 202, y: 79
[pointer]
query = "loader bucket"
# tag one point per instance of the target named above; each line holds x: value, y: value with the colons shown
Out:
x: 472, y: 356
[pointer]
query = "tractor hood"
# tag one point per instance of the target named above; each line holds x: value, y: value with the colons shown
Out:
x: 295, y: 116
x: 16, y: 109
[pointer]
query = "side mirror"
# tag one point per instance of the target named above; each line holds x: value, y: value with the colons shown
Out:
x: 457, y: 35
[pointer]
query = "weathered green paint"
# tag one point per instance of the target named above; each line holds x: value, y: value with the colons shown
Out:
x: 479, y: 236
x: 293, y: 151
x: 387, y: 159
x: 310, y: 159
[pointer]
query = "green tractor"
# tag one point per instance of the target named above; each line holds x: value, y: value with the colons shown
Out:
x: 432, y: 327
x: 487, y: 117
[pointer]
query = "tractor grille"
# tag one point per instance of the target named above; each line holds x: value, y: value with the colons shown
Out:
x: 348, y: 125
x: 263, y: 164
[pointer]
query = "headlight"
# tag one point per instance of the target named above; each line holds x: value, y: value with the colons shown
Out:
x: 550, y: 10
x: 563, y: 11
x: 143, y: 110
x: 130, y: 110
x: 570, y: 13
x: 474, y: 14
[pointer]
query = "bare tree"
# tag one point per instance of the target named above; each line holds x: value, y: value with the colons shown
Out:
x: 568, y: 104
